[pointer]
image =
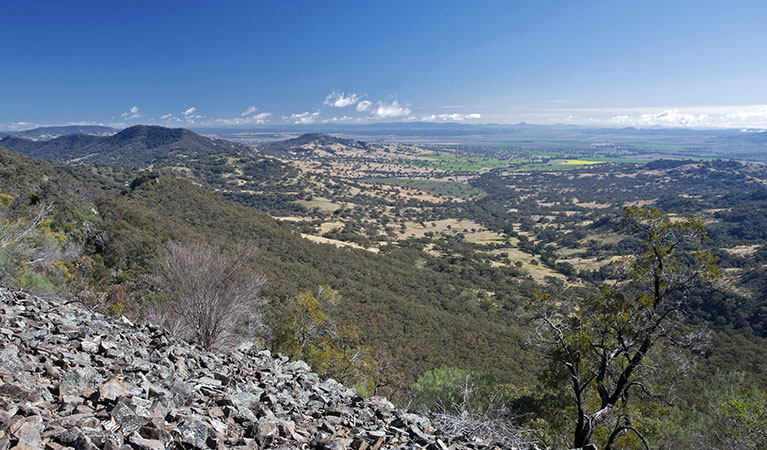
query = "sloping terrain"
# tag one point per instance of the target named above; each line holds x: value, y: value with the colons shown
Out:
x: 74, y: 378
x: 453, y: 271
x: 400, y: 306
x: 46, y: 133
x: 308, y: 143
x: 137, y: 145
x: 64, y: 148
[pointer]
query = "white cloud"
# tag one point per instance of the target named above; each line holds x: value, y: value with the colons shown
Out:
x: 170, y: 118
x: 455, y: 117
x: 190, y: 115
x: 757, y: 113
x: 730, y: 116
x: 673, y: 117
x: 341, y: 99
x: 131, y: 114
x: 749, y: 116
x: 255, y: 119
x: 341, y: 119
x: 19, y: 126
x: 302, y: 118
x: 384, y: 110
x: 364, y: 105
x: 250, y: 110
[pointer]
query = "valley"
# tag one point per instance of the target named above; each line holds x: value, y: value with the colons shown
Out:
x: 383, y: 225
x: 435, y: 250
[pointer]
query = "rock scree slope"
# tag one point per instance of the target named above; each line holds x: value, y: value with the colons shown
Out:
x: 73, y: 378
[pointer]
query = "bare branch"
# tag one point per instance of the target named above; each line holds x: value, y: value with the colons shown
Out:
x: 213, y: 292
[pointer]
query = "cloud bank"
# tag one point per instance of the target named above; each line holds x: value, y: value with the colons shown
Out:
x: 450, y: 117
x: 744, y: 116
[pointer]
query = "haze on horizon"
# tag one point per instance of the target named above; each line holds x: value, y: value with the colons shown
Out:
x: 250, y: 64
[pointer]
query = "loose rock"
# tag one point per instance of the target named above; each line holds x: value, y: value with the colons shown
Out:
x: 72, y: 378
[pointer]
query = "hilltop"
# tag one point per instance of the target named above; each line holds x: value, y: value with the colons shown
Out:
x: 136, y: 145
x: 310, y: 143
x: 47, y: 133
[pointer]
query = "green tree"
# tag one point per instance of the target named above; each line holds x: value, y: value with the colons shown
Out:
x: 726, y: 411
x: 627, y: 340
x: 743, y: 419
x: 444, y: 388
x: 308, y: 331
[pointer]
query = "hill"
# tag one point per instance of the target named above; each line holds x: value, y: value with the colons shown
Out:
x: 137, y: 145
x: 71, y: 377
x: 401, y: 307
x: 47, y: 133
x: 65, y: 148
x: 447, y: 287
x: 310, y: 143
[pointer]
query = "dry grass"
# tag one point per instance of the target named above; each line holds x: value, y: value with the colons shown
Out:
x: 337, y: 243
x: 484, y: 237
x: 743, y: 250
x: 591, y: 205
x: 321, y: 203
x: 330, y: 226
x: 537, y: 272
x: 292, y: 218
x: 414, y: 229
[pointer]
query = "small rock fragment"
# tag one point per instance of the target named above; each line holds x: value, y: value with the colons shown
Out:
x: 113, y: 389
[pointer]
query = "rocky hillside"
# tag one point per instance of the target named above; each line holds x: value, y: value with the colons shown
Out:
x: 72, y: 378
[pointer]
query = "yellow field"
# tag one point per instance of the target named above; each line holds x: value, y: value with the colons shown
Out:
x: 575, y: 162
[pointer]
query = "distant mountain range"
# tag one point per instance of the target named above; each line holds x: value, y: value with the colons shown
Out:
x: 137, y: 145
x: 47, y: 133
x: 746, y: 145
x: 143, y: 144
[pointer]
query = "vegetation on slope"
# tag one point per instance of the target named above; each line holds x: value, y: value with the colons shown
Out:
x: 433, y: 298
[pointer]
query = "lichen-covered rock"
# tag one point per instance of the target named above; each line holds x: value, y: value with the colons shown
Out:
x: 72, y: 378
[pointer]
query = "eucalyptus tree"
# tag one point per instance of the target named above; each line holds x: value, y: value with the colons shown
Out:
x: 633, y: 338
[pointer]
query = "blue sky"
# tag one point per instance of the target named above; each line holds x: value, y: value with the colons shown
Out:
x: 247, y: 63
